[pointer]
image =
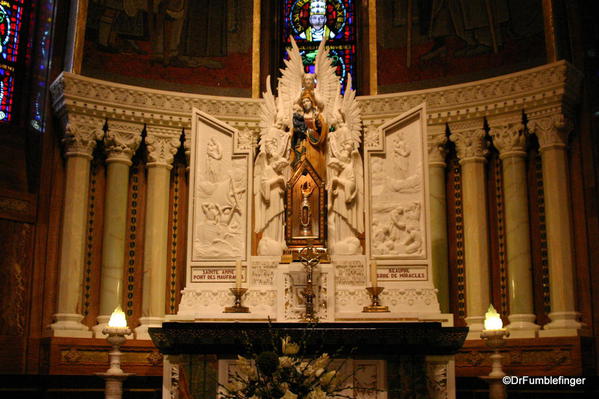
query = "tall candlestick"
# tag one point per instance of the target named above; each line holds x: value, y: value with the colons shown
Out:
x: 373, y: 273
x: 238, y: 273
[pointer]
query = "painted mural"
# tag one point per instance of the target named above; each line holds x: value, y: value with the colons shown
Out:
x: 428, y: 43
x: 199, y: 46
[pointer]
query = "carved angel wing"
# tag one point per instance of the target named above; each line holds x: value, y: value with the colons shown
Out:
x: 350, y: 110
x: 259, y: 212
x: 327, y: 88
x: 332, y: 155
x: 290, y: 83
x: 359, y: 173
x: 268, y: 109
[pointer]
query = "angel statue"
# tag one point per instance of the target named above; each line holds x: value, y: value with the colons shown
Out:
x: 306, y: 107
x: 345, y: 183
x: 269, y: 193
x: 309, y: 122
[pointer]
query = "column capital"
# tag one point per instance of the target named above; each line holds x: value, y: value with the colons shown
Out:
x: 162, y: 144
x: 187, y: 146
x: 122, y: 140
x: 508, y: 138
x: 81, y: 133
x: 469, y: 139
x: 436, y: 145
x: 552, y: 130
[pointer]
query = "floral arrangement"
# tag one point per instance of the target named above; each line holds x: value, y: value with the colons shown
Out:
x: 285, y: 373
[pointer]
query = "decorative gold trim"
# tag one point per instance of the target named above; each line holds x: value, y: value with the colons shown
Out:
x: 92, y: 207
x: 501, y: 239
x: 373, y: 79
x: 132, y: 250
x: 543, y: 236
x: 175, y: 229
x: 459, y: 238
x: 256, y: 50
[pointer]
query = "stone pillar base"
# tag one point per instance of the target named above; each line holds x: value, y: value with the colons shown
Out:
x: 475, y: 323
x: 102, y: 324
x: 522, y: 326
x: 563, y: 324
x: 69, y: 325
x: 141, y: 332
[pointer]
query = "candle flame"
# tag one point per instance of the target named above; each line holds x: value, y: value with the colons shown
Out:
x: 493, y: 320
x: 117, y: 319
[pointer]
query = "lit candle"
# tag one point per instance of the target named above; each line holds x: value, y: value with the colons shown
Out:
x: 373, y: 273
x: 117, y: 318
x: 238, y: 273
x: 492, y: 319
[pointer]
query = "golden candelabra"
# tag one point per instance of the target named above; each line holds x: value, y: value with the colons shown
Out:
x: 375, y: 306
x: 237, y: 307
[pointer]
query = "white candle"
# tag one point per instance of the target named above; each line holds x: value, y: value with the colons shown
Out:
x: 373, y: 273
x: 238, y: 273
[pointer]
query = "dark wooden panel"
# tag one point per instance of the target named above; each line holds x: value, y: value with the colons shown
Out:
x: 534, y: 357
x: 80, y: 356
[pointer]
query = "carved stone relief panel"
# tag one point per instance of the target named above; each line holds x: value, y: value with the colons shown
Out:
x: 219, y: 187
x: 397, y: 190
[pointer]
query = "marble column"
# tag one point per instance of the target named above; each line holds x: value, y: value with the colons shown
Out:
x: 552, y: 131
x: 510, y: 141
x: 81, y: 134
x: 121, y: 141
x: 162, y: 145
x: 469, y: 139
x: 436, y: 162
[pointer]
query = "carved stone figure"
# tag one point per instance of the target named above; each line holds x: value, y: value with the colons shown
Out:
x: 346, y: 180
x: 397, y: 230
x: 269, y: 193
x: 214, y: 155
x: 401, y: 153
x: 218, y: 204
x: 319, y: 132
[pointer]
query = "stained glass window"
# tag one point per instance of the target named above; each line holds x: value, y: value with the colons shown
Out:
x: 11, y: 19
x: 6, y: 93
x: 11, y: 14
x: 311, y: 21
x: 41, y: 50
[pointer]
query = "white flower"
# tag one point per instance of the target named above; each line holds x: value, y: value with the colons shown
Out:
x: 285, y: 361
x: 289, y: 395
x: 317, y: 394
x: 242, y: 361
x: 235, y: 386
x: 328, y: 377
x: 288, y: 347
x: 322, y: 361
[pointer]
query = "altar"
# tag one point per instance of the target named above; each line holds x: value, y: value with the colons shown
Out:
x: 389, y: 359
x: 312, y: 222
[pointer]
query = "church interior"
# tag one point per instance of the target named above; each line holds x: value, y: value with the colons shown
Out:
x: 379, y: 171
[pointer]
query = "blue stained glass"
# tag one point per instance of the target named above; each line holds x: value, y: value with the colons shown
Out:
x: 11, y: 16
x: 311, y: 21
x: 6, y: 93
